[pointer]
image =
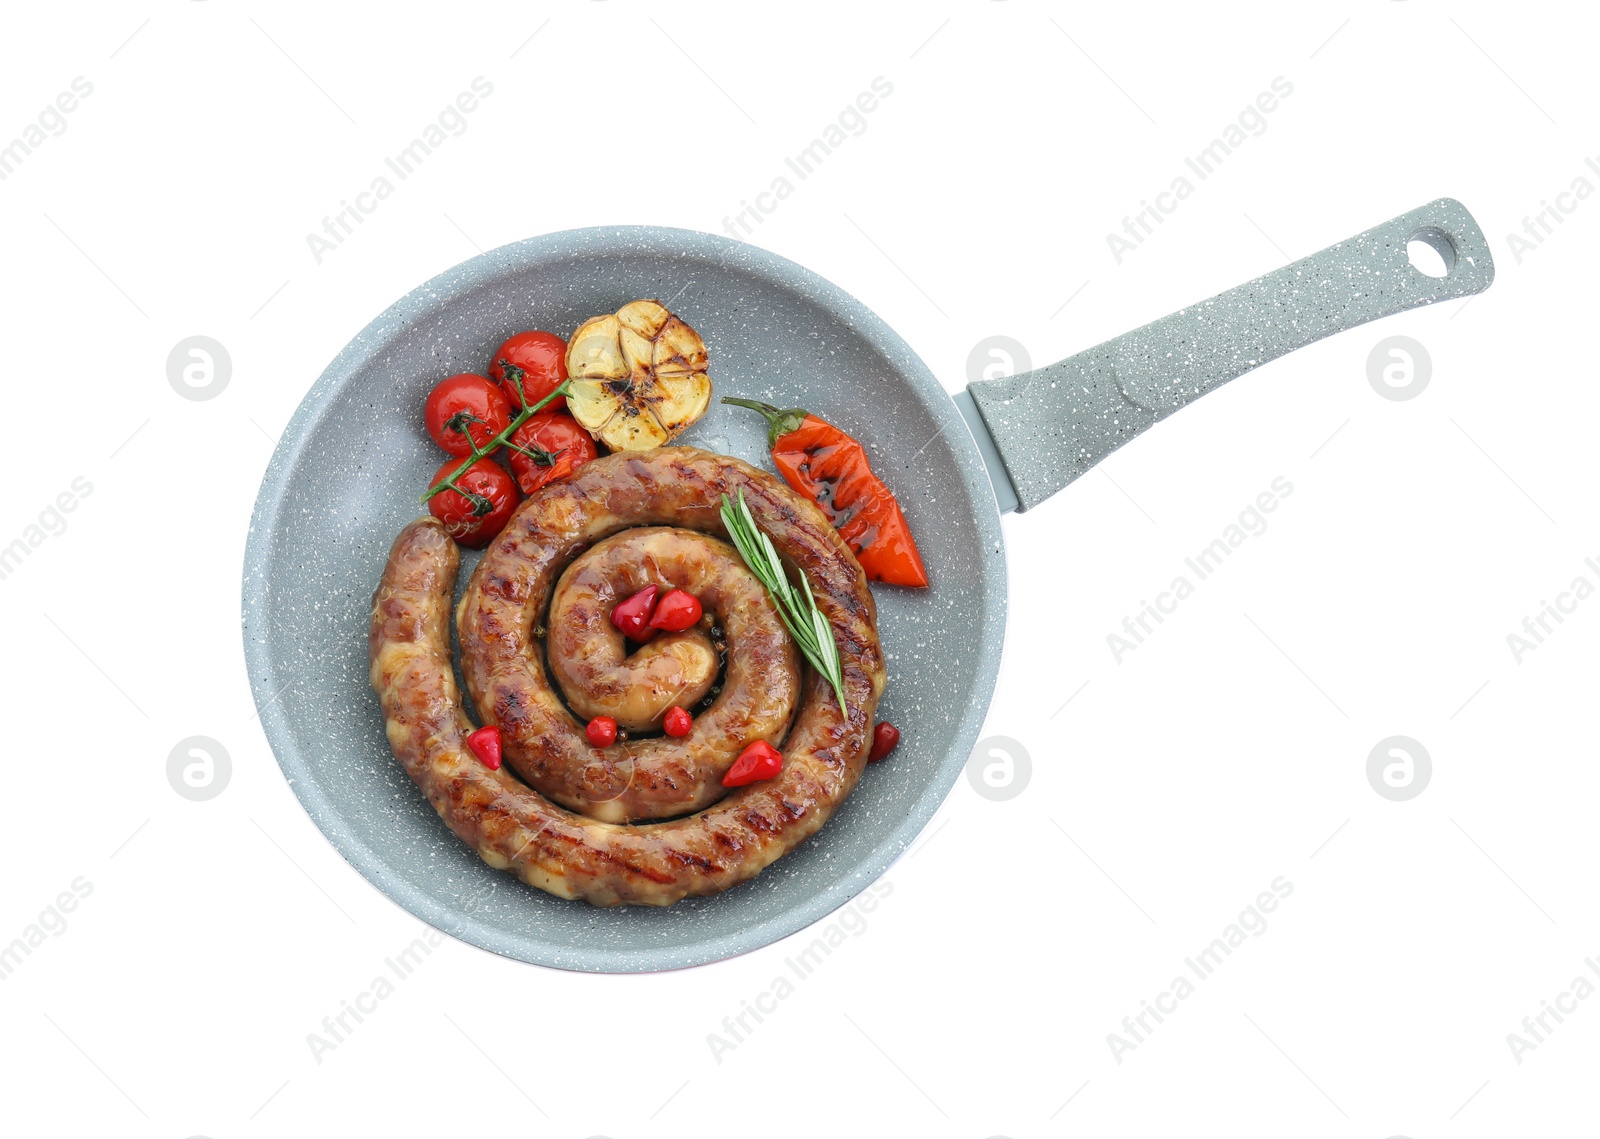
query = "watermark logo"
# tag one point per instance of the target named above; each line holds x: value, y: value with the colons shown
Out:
x: 51, y: 920
x: 479, y: 900
x: 1537, y: 1027
x: 995, y: 358
x: 851, y: 122
x: 50, y: 123
x: 1252, y: 922
x: 1250, y: 523
x: 737, y: 1027
x: 337, y: 1027
x: 1541, y: 225
x: 199, y: 768
x: 1536, y: 628
x: 50, y: 523
x: 1399, y: 768
x: 199, y: 368
x: 451, y: 122
x: 1251, y: 122
x: 999, y: 768
x: 1399, y: 368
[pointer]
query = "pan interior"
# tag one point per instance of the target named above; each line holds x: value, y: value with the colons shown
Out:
x: 346, y: 477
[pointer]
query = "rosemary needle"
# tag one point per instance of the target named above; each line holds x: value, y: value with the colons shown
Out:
x: 805, y: 622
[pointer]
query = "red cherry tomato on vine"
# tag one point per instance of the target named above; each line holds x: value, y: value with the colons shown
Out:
x: 560, y: 447
x: 678, y: 722
x: 473, y: 521
x: 465, y: 401
x: 633, y: 615
x: 676, y: 611
x: 542, y: 358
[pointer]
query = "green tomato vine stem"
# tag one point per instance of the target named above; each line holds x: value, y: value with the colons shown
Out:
x: 502, y: 439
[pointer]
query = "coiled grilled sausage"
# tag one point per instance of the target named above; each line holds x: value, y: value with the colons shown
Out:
x: 512, y: 826
x: 589, y: 660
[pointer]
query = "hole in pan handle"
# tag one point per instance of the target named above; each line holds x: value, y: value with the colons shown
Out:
x: 1040, y: 430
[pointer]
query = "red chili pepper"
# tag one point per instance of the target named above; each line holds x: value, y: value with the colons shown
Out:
x: 633, y: 615
x: 884, y: 738
x: 831, y: 468
x: 676, y: 611
x: 678, y: 722
x: 485, y: 744
x: 756, y: 762
x: 602, y: 731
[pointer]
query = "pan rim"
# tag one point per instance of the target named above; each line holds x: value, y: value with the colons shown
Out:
x: 450, y: 286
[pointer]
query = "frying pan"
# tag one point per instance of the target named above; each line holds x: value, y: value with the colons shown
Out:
x: 346, y: 474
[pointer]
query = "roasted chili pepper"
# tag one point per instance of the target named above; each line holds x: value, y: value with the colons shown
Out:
x: 678, y: 723
x: 633, y: 615
x: 885, y: 737
x: 758, y: 761
x: 486, y: 745
x: 676, y: 611
x: 602, y: 731
x: 830, y: 468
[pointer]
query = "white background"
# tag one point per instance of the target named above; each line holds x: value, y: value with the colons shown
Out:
x: 1228, y: 750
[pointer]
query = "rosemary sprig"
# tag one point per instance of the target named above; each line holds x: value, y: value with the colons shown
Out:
x: 805, y: 622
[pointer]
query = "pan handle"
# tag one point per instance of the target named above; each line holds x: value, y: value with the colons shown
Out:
x: 1050, y: 425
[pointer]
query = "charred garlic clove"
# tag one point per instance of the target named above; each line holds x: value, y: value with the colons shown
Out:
x: 638, y: 376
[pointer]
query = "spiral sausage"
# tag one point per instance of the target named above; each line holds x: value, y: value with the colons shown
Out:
x: 589, y: 658
x: 589, y: 661
x: 513, y: 826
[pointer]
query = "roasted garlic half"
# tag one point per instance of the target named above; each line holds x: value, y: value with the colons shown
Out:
x: 638, y: 376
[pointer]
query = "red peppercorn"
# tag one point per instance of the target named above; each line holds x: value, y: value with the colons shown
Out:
x: 633, y: 615
x: 756, y: 762
x: 678, y: 722
x: 676, y: 611
x: 602, y: 731
x: 884, y: 738
x: 485, y: 744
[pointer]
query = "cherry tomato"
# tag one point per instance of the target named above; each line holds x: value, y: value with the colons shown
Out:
x: 486, y: 745
x: 557, y: 436
x: 495, y: 494
x: 678, y: 722
x: 884, y: 738
x: 676, y: 611
x: 542, y: 358
x: 758, y: 761
x: 465, y: 400
x: 602, y: 731
x: 633, y: 615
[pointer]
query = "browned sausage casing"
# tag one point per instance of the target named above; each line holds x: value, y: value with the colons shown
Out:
x: 513, y: 826
x: 589, y: 658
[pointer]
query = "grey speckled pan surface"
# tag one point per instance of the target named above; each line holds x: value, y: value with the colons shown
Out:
x: 345, y: 478
x: 346, y: 475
